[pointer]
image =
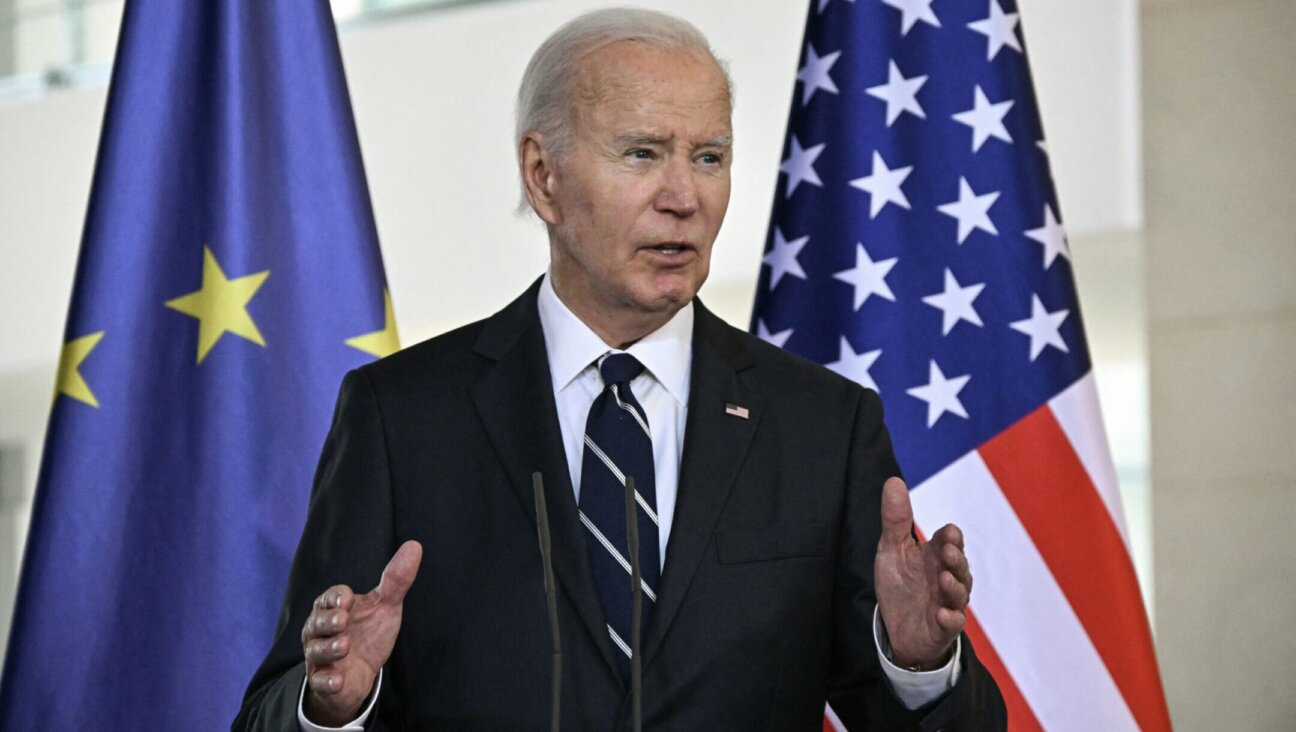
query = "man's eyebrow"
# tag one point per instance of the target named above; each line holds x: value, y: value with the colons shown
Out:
x: 641, y: 138
x: 649, y: 138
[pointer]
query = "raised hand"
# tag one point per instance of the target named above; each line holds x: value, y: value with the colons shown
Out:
x: 922, y: 586
x: 348, y: 637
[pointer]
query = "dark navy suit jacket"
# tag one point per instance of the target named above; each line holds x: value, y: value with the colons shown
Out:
x: 766, y: 599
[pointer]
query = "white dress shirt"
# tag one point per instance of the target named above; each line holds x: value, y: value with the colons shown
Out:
x: 663, y: 391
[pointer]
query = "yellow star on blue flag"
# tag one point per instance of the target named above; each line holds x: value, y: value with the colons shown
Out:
x: 221, y: 305
x: 380, y: 343
x: 70, y: 382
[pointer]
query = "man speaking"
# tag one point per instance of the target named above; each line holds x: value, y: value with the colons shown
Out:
x: 779, y: 566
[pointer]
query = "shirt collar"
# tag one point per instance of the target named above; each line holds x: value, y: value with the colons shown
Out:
x: 571, y: 346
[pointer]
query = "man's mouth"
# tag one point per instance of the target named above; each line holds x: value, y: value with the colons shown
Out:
x: 672, y: 248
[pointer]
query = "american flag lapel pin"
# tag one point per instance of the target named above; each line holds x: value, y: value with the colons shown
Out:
x: 737, y: 411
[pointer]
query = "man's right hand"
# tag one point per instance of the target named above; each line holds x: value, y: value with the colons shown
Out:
x: 348, y: 637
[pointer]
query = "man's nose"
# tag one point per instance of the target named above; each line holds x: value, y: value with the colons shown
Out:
x: 679, y: 192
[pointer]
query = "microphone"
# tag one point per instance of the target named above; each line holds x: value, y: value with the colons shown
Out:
x: 551, y: 595
x: 636, y: 613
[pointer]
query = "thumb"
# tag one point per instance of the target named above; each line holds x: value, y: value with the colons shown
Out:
x: 897, y: 513
x: 399, y: 574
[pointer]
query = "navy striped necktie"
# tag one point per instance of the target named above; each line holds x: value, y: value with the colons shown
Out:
x: 618, y: 443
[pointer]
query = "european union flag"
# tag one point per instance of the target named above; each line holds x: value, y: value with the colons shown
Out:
x: 229, y: 275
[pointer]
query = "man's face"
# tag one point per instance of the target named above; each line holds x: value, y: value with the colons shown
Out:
x: 640, y: 193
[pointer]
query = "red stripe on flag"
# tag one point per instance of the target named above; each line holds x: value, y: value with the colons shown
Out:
x: 1020, y: 716
x: 1042, y: 477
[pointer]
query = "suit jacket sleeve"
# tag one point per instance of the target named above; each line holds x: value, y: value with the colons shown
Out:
x: 348, y: 538
x: 858, y: 690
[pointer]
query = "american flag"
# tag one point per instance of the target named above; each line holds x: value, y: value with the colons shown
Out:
x: 916, y: 247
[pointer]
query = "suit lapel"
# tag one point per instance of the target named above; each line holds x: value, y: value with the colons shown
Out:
x: 715, y: 445
x: 515, y: 401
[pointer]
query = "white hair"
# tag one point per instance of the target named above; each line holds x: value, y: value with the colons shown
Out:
x: 544, y: 102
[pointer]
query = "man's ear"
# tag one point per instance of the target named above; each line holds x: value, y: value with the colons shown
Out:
x: 538, y: 177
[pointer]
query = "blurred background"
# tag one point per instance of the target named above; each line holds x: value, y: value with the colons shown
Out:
x: 1169, y: 133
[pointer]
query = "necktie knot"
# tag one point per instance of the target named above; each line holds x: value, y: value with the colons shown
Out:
x: 620, y: 368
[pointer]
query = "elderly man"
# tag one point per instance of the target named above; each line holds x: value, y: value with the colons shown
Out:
x: 780, y: 570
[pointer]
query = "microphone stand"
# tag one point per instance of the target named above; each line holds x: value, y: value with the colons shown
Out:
x: 551, y: 596
x: 636, y: 616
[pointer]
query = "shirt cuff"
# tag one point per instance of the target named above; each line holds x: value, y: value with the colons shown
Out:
x: 356, y: 725
x: 914, y: 688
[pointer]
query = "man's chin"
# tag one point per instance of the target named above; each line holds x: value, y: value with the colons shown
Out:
x: 674, y: 291
x: 668, y: 300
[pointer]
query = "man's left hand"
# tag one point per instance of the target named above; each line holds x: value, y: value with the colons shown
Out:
x: 922, y: 586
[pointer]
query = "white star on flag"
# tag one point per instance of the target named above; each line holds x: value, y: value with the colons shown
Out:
x: 899, y: 93
x: 814, y: 75
x: 985, y: 119
x: 1042, y: 327
x: 782, y: 259
x: 1000, y: 29
x: 855, y: 366
x: 867, y: 277
x: 778, y: 339
x: 941, y: 394
x: 912, y: 11
x: 971, y: 210
x: 799, y: 166
x: 955, y: 303
x: 883, y: 185
x: 1052, y: 235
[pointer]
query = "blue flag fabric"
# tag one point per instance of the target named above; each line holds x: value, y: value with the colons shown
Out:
x: 229, y: 275
x: 915, y: 224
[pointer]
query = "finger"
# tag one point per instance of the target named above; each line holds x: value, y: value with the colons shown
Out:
x: 956, y: 564
x: 399, y: 574
x: 324, y: 684
x: 954, y: 594
x: 897, y: 513
x: 319, y: 623
x: 951, y: 621
x: 949, y: 534
x: 324, y: 651
x: 326, y: 623
x: 337, y: 596
x: 954, y: 559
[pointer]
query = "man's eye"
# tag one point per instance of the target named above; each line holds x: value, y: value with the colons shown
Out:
x: 641, y: 154
x: 711, y: 159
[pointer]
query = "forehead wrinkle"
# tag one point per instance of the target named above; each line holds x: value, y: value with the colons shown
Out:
x: 601, y: 83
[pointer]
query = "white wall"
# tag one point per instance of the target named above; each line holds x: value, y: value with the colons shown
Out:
x: 1221, y: 235
x: 433, y: 97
